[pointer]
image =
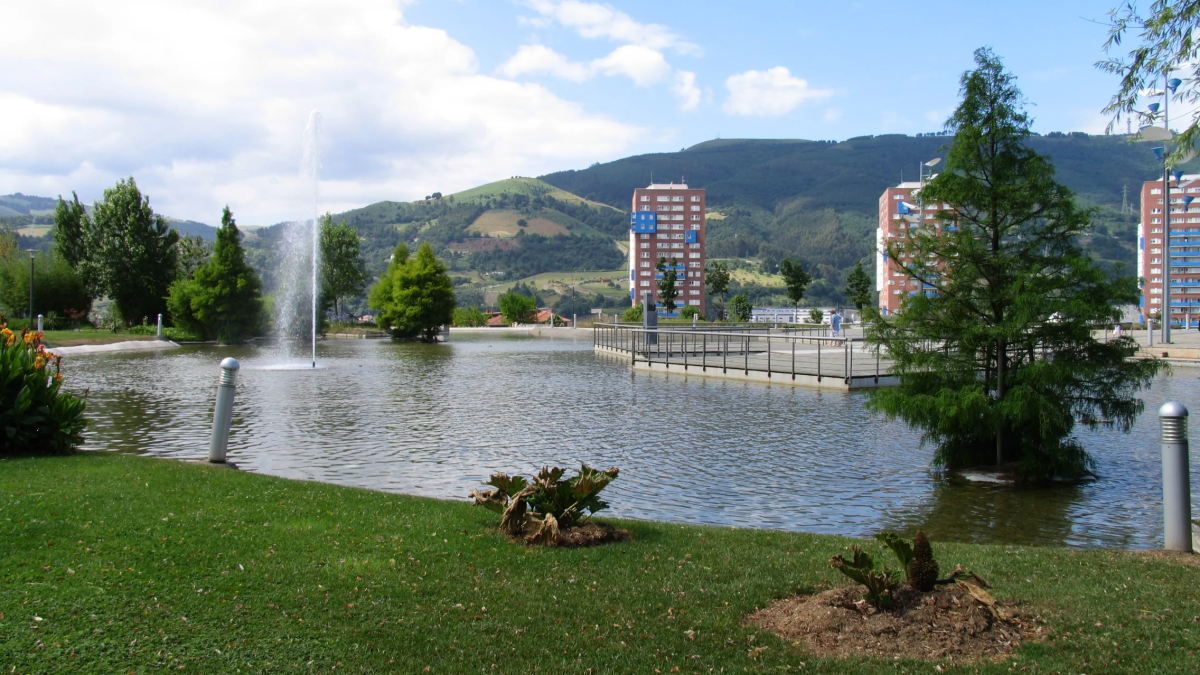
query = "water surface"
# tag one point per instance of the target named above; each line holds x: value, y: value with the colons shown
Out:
x: 436, y: 420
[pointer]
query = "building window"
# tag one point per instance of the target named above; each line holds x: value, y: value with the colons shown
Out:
x: 1156, y: 191
x: 694, y: 265
x: 1156, y: 270
x: 897, y: 197
x: 1156, y: 250
x: 645, y: 207
x: 696, y: 207
x: 695, y: 226
x: 695, y: 198
x: 1156, y: 240
x: 664, y: 198
x: 1156, y: 261
x: 696, y: 245
x: 1156, y: 291
x: 645, y: 254
x: 645, y: 264
x: 1155, y: 210
x: 1156, y: 230
x: 645, y: 236
x: 646, y: 282
x: 694, y: 303
x: 645, y: 244
x: 645, y: 198
x: 693, y: 292
x: 693, y: 283
x: 693, y: 255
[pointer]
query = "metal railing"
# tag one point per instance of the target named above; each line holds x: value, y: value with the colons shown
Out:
x: 784, y: 353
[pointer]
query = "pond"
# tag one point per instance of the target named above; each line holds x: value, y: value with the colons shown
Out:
x: 436, y: 420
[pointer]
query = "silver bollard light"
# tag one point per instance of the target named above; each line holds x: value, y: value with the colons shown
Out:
x: 39, y: 323
x: 160, y: 326
x: 223, y: 414
x: 1177, y: 496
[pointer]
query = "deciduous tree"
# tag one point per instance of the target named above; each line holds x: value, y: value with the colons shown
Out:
x: 983, y: 370
x: 717, y: 277
x: 796, y: 278
x: 415, y: 296
x: 516, y: 307
x: 343, y: 271
x: 130, y: 253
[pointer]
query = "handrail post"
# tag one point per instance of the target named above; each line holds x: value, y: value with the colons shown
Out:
x: 704, y: 359
x: 793, y: 357
x: 818, y: 359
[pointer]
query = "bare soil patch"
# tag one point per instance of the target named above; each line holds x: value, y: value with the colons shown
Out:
x: 945, y: 625
x: 588, y: 534
x: 503, y: 223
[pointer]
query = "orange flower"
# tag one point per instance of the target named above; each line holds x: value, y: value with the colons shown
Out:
x: 29, y: 337
x: 39, y: 362
x: 58, y: 377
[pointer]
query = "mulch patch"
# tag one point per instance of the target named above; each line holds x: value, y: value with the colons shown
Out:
x: 588, y: 534
x: 947, y: 624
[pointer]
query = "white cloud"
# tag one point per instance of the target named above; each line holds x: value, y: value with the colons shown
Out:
x: 768, y: 92
x: 594, y: 20
x: 205, y: 104
x: 541, y: 60
x: 687, y: 91
x: 642, y: 65
x: 832, y: 114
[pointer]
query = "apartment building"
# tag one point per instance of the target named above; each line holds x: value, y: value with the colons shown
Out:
x: 900, y: 211
x: 667, y: 221
x: 1184, y: 249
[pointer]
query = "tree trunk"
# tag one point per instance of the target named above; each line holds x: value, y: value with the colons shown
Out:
x: 1001, y: 354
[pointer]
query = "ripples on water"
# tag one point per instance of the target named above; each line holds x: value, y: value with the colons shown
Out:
x: 436, y: 420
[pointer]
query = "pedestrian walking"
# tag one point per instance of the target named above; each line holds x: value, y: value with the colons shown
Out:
x: 835, y: 322
x: 1117, y: 332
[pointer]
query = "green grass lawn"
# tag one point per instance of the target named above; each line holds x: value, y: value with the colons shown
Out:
x: 122, y: 564
x: 88, y: 336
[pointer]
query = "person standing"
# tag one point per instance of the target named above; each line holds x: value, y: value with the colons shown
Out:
x: 835, y: 322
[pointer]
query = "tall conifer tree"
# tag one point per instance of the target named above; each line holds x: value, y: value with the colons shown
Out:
x: 223, y: 299
x: 1000, y: 358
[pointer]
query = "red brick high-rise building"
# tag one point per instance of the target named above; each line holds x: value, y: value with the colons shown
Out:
x: 667, y: 221
x: 1184, y: 247
x: 900, y: 210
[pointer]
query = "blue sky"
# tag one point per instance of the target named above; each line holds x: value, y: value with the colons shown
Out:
x: 205, y: 102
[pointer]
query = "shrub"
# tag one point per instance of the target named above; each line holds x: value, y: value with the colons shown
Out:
x: 689, y: 312
x: 469, y: 317
x: 35, y: 416
x: 546, y: 503
x: 815, y: 316
x: 633, y: 314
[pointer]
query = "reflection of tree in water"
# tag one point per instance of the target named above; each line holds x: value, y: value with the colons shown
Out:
x: 994, y: 514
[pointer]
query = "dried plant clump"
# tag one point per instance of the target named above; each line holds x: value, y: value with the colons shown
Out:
x: 549, y: 511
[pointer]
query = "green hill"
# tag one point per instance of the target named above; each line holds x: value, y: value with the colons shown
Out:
x: 818, y: 200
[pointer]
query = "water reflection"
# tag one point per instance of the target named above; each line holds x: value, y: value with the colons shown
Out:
x: 435, y: 420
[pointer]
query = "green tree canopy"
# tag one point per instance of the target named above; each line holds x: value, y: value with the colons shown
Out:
x: 223, y: 298
x: 72, y: 230
x: 796, y: 279
x: 192, y: 254
x: 131, y: 253
x: 516, y: 307
x: 56, y: 286
x: 343, y: 270
x: 667, y: 291
x: 984, y: 371
x: 469, y: 317
x: 415, y: 296
x: 1166, y: 46
x: 858, y: 286
x: 740, y: 307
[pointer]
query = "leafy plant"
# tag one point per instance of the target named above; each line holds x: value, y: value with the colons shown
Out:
x: 902, y: 549
x: 546, y: 503
x: 740, y: 307
x: 633, y: 314
x: 880, y: 584
x: 35, y: 416
x: 689, y: 312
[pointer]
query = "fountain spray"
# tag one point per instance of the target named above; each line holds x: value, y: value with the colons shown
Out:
x: 311, y: 168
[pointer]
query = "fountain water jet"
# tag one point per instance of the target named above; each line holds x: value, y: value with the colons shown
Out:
x: 301, y: 249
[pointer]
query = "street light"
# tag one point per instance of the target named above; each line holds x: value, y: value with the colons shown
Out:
x: 32, y: 252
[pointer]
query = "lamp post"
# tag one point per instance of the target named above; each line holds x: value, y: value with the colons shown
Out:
x: 32, y: 252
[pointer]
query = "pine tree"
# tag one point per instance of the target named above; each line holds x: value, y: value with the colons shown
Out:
x: 667, y: 291
x: 984, y: 370
x: 415, y: 296
x: 223, y: 299
x: 858, y: 286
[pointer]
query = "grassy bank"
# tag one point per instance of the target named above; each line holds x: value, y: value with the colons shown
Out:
x: 114, y: 563
x: 88, y: 336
